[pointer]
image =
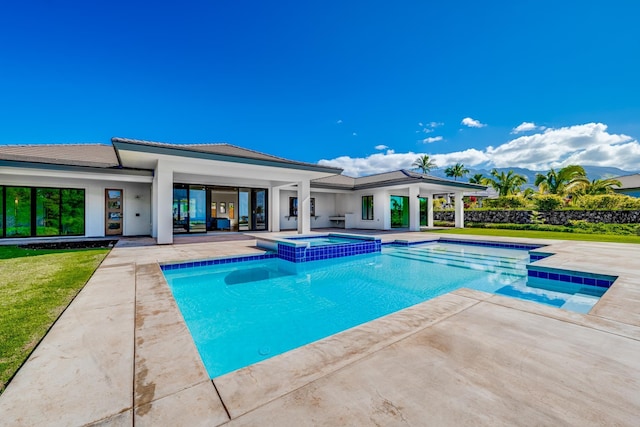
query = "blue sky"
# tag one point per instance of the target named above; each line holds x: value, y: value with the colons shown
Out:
x: 364, y: 85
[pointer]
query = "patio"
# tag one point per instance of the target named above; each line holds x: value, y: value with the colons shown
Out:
x: 122, y: 355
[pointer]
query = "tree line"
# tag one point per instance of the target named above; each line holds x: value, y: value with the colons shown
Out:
x: 568, y: 181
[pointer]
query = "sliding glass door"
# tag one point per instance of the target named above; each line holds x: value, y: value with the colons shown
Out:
x: 189, y: 208
x: 180, y: 208
x: 260, y: 211
x: 399, y: 212
x: 252, y: 203
x: 244, y: 209
x: 197, y: 209
x: 200, y: 208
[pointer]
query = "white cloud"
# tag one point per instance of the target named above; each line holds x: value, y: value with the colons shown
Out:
x: 587, y: 144
x: 339, y: 121
x: 526, y: 127
x: 469, y: 158
x: 372, y: 164
x: 432, y: 139
x: 429, y: 127
x: 381, y: 147
x: 472, y: 123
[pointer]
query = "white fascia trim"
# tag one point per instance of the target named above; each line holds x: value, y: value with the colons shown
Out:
x: 75, y: 175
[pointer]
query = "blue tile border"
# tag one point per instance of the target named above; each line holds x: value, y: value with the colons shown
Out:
x: 537, y: 256
x: 315, y: 253
x: 293, y: 253
x: 577, y: 277
x: 217, y: 261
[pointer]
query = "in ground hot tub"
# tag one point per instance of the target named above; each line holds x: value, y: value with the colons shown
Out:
x: 317, y: 247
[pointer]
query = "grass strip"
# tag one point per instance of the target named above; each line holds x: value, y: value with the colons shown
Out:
x: 536, y: 234
x: 36, y: 285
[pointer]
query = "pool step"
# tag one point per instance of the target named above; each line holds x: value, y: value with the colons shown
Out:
x: 469, y: 255
x: 448, y: 257
x: 511, y: 271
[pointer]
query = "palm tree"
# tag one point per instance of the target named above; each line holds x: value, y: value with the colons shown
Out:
x: 505, y: 184
x: 425, y: 164
x: 599, y: 186
x: 562, y: 181
x: 457, y: 171
x: 476, y: 179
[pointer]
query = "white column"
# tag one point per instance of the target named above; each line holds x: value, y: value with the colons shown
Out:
x: 414, y: 208
x: 154, y: 206
x: 430, y: 210
x: 304, y: 207
x: 274, y: 209
x: 459, y: 215
x: 163, y: 203
x: 383, y: 200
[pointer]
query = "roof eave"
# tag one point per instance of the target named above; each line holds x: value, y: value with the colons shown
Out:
x: 119, y: 144
x: 414, y: 180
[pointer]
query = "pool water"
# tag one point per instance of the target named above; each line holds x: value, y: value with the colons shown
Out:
x: 240, y: 314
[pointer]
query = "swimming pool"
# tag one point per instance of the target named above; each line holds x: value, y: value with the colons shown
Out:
x: 242, y: 313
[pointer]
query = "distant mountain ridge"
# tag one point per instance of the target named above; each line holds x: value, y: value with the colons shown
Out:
x: 593, y: 172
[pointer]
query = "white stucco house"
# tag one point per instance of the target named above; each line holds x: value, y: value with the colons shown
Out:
x: 136, y: 188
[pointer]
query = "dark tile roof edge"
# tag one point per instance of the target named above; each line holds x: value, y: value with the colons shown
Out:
x: 409, y: 178
x: 30, y: 158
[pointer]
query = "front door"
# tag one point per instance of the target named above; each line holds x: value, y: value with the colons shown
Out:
x: 113, y: 212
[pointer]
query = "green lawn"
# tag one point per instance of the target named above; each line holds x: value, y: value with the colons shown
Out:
x: 535, y: 234
x: 35, y: 287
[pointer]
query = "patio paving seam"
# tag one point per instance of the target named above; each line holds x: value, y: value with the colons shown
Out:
x: 135, y: 336
x: 221, y: 400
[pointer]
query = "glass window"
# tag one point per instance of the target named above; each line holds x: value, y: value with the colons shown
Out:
x: 47, y: 211
x: 72, y: 212
x: 293, y: 206
x: 41, y: 212
x: 399, y: 212
x: 18, y: 211
x: 367, y: 207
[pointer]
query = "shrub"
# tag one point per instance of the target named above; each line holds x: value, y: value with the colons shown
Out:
x: 506, y: 202
x: 438, y: 204
x: 607, y: 202
x: 579, y: 226
x: 547, y: 202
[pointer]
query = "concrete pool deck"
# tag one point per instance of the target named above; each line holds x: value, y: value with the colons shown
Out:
x: 122, y: 355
